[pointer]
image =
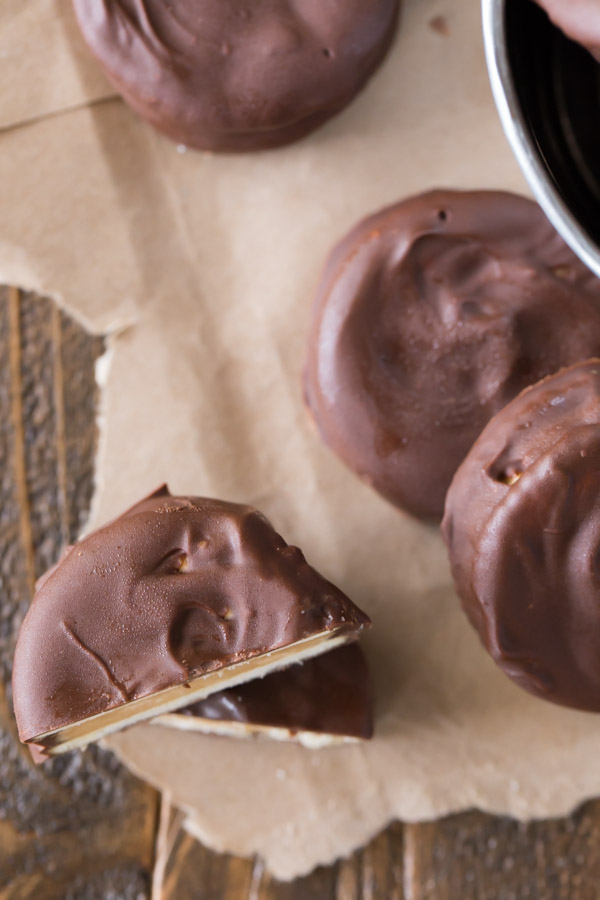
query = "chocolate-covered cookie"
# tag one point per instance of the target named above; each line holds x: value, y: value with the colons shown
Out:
x: 178, y: 598
x: 430, y: 316
x: 522, y: 525
x: 320, y: 702
x: 578, y: 19
x: 237, y: 75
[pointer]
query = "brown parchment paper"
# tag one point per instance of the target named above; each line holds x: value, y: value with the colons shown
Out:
x: 202, y: 268
x: 44, y: 64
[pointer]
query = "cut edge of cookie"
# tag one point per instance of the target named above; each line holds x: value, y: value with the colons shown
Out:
x: 85, y: 731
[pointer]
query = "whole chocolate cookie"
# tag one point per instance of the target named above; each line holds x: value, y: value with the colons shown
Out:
x: 522, y: 525
x: 236, y: 75
x: 430, y: 316
x: 578, y: 19
x: 161, y: 607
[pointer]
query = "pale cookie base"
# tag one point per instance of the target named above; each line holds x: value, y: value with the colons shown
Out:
x: 314, y: 740
x: 86, y: 731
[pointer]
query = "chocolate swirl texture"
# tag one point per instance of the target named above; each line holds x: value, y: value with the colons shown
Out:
x: 522, y: 525
x: 174, y: 588
x: 330, y: 694
x: 237, y: 75
x: 430, y: 316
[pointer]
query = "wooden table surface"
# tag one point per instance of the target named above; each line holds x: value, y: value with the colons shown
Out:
x: 81, y: 827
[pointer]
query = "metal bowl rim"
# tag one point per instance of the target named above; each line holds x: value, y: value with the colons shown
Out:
x: 515, y: 129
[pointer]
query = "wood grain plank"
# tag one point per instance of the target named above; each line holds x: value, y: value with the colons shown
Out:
x: 40, y: 423
x: 194, y: 873
x: 80, y: 406
x: 474, y: 856
x: 16, y: 553
x: 79, y: 826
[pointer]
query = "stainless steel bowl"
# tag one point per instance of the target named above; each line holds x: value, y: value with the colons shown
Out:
x: 547, y: 90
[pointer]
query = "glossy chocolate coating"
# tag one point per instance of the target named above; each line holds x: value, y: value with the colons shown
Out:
x: 174, y: 588
x: 430, y: 316
x: 578, y: 19
x: 236, y: 75
x: 522, y: 525
x: 330, y: 694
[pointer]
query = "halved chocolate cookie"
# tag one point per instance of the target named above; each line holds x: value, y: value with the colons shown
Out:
x: 430, y: 316
x: 178, y: 598
x: 319, y: 703
x: 522, y: 525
